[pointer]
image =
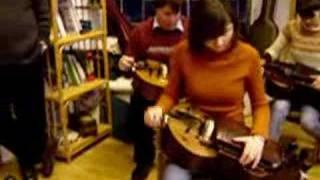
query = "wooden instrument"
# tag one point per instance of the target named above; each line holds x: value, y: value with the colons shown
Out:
x: 283, y: 78
x: 193, y: 140
x: 151, y: 76
x: 152, y: 72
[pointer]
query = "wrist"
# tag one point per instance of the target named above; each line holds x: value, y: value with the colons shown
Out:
x: 267, y: 57
x: 259, y: 138
x: 122, y: 67
x: 159, y: 108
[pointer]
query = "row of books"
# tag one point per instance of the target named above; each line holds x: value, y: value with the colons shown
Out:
x: 80, y: 16
x: 78, y: 67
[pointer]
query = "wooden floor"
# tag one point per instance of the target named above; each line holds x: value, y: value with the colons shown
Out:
x: 109, y: 160
x: 112, y: 160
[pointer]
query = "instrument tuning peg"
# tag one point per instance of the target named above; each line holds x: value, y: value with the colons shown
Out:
x: 149, y: 70
x: 206, y: 131
x: 189, y: 108
x: 159, y: 72
x: 164, y: 70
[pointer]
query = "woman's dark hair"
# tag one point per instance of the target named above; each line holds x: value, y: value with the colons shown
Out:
x: 175, y: 5
x: 306, y: 8
x: 208, y: 20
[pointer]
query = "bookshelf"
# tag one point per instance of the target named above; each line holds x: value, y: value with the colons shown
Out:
x: 72, y: 38
x: 60, y: 90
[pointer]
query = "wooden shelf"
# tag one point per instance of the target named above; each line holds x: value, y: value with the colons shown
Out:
x: 59, y: 96
x: 88, y: 7
x: 81, y: 144
x: 74, y: 92
x: 72, y: 38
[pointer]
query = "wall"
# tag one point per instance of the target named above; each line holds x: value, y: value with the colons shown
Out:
x: 283, y: 11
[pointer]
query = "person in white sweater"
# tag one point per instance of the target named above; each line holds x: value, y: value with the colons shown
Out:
x: 301, y: 40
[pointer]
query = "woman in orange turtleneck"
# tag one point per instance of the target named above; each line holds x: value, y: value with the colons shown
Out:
x: 214, y: 69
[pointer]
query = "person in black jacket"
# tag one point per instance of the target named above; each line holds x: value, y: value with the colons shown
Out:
x: 24, y: 34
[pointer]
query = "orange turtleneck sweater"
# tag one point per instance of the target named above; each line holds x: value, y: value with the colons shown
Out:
x: 216, y: 83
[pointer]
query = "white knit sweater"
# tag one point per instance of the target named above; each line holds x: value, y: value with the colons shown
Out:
x: 295, y: 45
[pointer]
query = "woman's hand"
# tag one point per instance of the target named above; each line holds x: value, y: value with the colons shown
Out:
x: 153, y: 116
x: 253, y: 149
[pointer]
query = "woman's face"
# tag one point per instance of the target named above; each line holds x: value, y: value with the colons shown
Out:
x: 311, y: 24
x: 223, y: 42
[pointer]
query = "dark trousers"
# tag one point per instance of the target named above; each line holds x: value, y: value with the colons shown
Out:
x: 142, y: 136
x: 22, y: 111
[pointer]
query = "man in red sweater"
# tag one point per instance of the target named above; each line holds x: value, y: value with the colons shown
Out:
x: 153, y: 39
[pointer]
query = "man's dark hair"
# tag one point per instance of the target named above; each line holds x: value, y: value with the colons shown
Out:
x: 208, y: 20
x: 175, y: 5
x: 306, y: 8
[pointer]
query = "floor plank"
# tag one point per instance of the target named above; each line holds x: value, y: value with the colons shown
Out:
x: 109, y: 160
x: 112, y: 160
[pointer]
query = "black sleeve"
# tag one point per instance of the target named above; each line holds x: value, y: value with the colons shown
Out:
x: 42, y: 13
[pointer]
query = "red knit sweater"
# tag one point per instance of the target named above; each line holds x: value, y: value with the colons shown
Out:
x: 157, y: 44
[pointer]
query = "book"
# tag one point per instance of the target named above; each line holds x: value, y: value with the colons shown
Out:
x: 71, y: 72
x: 61, y: 28
x: 69, y: 16
x: 79, y: 69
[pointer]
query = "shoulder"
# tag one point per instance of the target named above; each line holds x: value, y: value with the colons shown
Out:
x: 179, y: 52
x: 248, y: 53
x: 292, y: 23
x: 292, y: 26
x: 247, y: 49
x: 143, y: 27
